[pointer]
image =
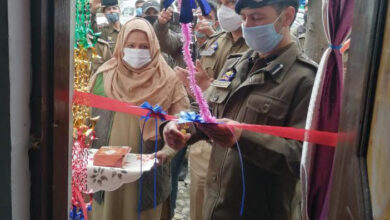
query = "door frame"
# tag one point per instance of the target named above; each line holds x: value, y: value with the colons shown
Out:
x: 350, y: 195
x: 50, y: 108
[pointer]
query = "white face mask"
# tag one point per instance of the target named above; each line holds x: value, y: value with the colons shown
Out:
x: 136, y: 58
x: 228, y: 19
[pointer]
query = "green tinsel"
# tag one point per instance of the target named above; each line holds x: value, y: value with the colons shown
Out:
x: 83, y: 25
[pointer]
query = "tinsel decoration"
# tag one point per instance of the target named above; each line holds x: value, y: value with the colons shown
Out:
x: 83, y: 124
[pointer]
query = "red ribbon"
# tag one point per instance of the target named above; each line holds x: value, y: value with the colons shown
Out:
x: 82, y: 203
x: 313, y: 136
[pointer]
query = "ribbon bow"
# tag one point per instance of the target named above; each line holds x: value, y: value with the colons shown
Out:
x: 156, y: 112
x: 186, y: 117
x: 186, y: 15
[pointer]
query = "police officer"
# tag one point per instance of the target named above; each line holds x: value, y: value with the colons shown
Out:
x: 110, y: 32
x: 214, y: 54
x: 270, y: 85
x: 138, y: 7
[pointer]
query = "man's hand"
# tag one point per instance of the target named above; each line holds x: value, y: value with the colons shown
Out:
x: 203, y: 26
x: 201, y: 76
x: 165, y: 15
x: 222, y: 134
x: 173, y: 137
x: 182, y: 74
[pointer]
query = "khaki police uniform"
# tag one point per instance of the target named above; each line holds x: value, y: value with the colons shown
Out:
x: 103, y: 53
x: 272, y: 91
x: 213, y: 56
x: 268, y: 91
x: 109, y: 34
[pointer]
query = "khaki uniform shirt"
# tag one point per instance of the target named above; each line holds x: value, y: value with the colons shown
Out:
x: 216, y: 50
x: 109, y: 34
x: 274, y: 92
x: 214, y: 55
x: 102, y: 54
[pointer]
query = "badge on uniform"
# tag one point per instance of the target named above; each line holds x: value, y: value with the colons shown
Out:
x: 210, y: 51
x: 225, y: 80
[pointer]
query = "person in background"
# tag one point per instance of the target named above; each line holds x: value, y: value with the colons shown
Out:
x: 136, y: 73
x: 103, y: 48
x: 270, y: 84
x: 171, y: 44
x: 206, y: 27
x: 229, y: 44
x: 103, y: 53
x: 151, y: 10
x: 170, y: 41
x: 110, y: 32
x: 111, y: 10
x: 138, y: 7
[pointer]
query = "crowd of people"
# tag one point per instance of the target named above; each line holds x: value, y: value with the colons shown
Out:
x: 250, y: 68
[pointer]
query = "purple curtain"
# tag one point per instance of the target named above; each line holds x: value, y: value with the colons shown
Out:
x: 338, y: 25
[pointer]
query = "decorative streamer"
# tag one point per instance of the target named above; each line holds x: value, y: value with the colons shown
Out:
x: 83, y: 125
x: 203, y: 106
x: 157, y: 113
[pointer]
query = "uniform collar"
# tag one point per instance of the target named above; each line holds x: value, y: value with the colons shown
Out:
x: 240, y: 40
x: 112, y: 29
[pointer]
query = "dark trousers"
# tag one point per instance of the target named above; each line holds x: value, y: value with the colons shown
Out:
x: 176, y: 167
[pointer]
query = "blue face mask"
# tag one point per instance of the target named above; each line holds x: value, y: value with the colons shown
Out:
x: 262, y: 38
x: 138, y: 12
x: 199, y: 35
x: 112, y: 17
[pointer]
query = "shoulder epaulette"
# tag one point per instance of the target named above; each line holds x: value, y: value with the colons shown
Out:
x: 303, y: 58
x: 217, y: 34
x: 100, y: 40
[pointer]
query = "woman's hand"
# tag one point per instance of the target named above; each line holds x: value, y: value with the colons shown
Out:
x: 173, y: 137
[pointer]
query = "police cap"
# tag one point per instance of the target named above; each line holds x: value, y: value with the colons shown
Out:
x: 241, y: 4
x: 107, y: 3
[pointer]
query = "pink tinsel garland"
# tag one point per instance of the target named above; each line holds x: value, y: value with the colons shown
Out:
x: 203, y: 106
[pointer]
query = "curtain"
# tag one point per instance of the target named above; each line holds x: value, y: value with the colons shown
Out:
x: 324, y: 110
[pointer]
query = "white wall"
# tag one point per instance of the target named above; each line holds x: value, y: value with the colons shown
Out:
x: 20, y: 79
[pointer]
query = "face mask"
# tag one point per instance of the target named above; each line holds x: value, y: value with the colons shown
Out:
x: 138, y: 12
x: 262, y: 38
x: 151, y: 18
x: 112, y: 17
x: 199, y: 35
x: 136, y: 58
x: 228, y: 19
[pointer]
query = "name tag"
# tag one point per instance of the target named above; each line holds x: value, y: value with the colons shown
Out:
x: 221, y: 84
x: 207, y: 53
x: 210, y: 51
